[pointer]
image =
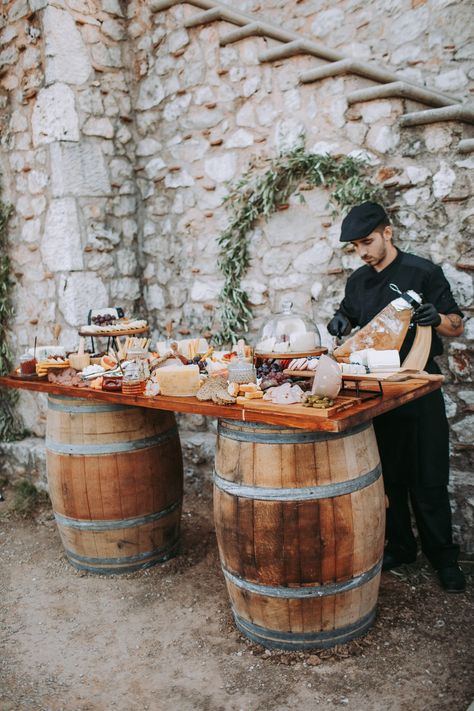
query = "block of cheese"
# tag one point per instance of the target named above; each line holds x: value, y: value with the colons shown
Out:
x: 383, y: 360
x: 178, y: 380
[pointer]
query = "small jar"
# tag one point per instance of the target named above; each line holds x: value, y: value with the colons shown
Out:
x: 27, y: 364
x: 133, y: 382
x: 240, y: 370
x: 140, y: 357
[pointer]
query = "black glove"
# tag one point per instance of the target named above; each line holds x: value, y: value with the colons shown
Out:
x: 339, y: 325
x: 426, y: 315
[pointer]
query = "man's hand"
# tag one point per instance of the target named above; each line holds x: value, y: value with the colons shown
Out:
x: 426, y: 315
x: 339, y: 325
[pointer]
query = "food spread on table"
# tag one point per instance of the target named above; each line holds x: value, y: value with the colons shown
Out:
x: 192, y: 367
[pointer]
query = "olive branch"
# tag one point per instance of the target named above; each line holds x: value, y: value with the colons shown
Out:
x: 9, y: 426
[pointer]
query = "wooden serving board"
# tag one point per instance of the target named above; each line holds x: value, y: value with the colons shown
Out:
x: 398, y: 375
x: 341, y: 403
x: 290, y: 355
x: 113, y: 334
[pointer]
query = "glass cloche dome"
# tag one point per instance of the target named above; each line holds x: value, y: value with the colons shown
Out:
x: 288, y: 332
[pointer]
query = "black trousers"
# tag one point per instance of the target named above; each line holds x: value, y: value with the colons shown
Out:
x: 414, y: 451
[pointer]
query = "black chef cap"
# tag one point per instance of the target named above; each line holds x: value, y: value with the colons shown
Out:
x: 361, y: 221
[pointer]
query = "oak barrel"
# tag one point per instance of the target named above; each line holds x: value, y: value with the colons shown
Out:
x: 115, y: 477
x: 300, y: 518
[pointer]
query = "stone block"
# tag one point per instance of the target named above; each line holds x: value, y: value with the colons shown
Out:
x: 206, y: 290
x: 17, y: 10
x: 155, y: 168
x: 98, y: 127
x: 373, y: 111
x: 112, y: 7
x: 148, y: 147
x: 67, y: 59
x: 452, y: 80
x: 461, y: 491
x: 383, y: 139
x: 177, y: 40
x: 221, y: 168
x: 102, y: 238
x: 416, y: 196
x: 25, y: 459
x: 408, y: 26
x: 437, y: 138
x: 150, y: 93
x: 313, y: 259
x: 179, y: 179
x: 61, y: 242
x: 79, y: 292
x: 123, y: 289
x: 107, y: 56
x: 289, y: 281
x: 78, y: 170
x: 154, y: 297
x: 113, y: 29
x: 461, y: 284
x: 18, y: 122
x: 443, y: 180
x: 54, y: 115
x: 327, y: 21
x: 126, y: 262
x: 9, y: 56
x: 239, y: 139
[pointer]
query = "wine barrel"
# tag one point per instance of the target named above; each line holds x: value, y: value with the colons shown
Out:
x: 300, y: 518
x: 115, y: 477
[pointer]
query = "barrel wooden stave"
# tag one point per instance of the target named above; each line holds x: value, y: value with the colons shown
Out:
x: 288, y: 562
x: 116, y: 482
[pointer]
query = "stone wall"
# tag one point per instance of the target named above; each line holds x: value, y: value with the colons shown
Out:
x: 121, y: 129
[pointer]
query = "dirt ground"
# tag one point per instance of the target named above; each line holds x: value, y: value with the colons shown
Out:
x: 164, y: 639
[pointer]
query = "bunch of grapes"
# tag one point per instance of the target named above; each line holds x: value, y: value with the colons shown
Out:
x: 103, y: 320
x: 268, y: 369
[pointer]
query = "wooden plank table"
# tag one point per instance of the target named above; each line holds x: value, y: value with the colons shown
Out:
x: 394, y: 395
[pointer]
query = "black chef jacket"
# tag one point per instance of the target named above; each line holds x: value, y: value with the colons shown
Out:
x: 368, y: 292
x: 419, y: 453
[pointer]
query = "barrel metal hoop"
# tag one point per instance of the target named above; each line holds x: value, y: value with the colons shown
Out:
x: 123, y: 559
x: 168, y: 553
x: 90, y: 450
x: 276, y: 436
x: 304, y: 592
x: 305, y: 640
x: 304, y: 493
x: 86, y: 408
x: 115, y: 525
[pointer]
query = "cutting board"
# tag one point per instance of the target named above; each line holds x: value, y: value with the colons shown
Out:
x: 341, y: 403
x: 392, y: 376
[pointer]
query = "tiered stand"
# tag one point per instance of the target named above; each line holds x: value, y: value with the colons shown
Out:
x: 298, y: 501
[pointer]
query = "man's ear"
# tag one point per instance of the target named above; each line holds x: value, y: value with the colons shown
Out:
x: 387, y: 233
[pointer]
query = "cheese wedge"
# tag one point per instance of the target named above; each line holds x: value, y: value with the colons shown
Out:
x: 178, y: 380
x: 254, y: 395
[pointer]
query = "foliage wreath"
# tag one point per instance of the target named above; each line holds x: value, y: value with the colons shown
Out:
x: 258, y: 195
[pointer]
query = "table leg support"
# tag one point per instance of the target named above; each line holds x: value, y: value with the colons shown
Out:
x: 115, y: 477
x: 300, y: 519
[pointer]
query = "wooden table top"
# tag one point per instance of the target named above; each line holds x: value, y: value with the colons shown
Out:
x: 395, y: 394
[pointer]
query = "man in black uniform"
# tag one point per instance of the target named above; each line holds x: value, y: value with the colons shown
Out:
x: 413, y: 438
